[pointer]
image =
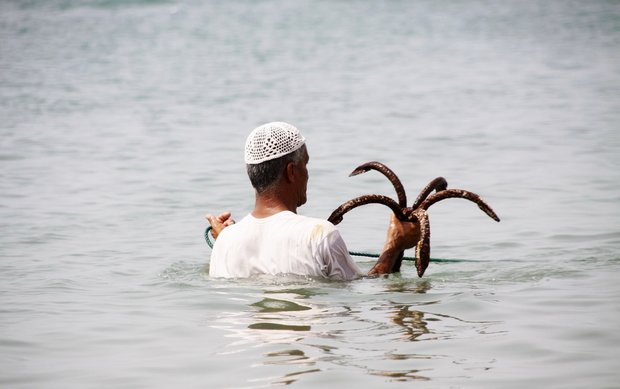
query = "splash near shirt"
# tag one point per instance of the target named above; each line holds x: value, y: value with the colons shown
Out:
x: 285, y: 243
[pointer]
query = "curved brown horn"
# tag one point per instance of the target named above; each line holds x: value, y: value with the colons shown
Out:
x: 438, y: 184
x: 336, y: 216
x: 423, y: 248
x: 459, y: 193
x: 386, y: 171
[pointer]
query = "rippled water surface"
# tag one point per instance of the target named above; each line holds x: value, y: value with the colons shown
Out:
x: 122, y: 122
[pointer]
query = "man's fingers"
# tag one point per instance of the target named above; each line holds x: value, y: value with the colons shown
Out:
x: 224, y: 216
x: 218, y: 223
x: 221, y: 217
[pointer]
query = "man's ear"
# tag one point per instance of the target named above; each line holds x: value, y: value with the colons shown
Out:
x: 290, y: 173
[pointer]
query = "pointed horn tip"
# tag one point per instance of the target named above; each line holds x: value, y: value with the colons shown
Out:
x: 357, y: 171
x: 493, y: 216
x: 334, y: 221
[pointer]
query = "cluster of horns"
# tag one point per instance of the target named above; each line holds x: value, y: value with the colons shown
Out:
x: 415, y: 213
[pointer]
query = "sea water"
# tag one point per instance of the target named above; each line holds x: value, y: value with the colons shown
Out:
x: 122, y: 123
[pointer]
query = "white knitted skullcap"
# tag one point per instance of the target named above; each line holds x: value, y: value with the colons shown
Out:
x: 271, y: 141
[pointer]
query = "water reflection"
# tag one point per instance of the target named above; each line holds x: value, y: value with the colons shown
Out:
x: 374, y: 327
x: 281, y: 315
x: 275, y: 305
x: 277, y: 322
x: 297, y: 293
x: 406, y: 286
x: 290, y: 357
x: 411, y: 321
x: 402, y: 375
x: 415, y: 324
x: 277, y: 326
x: 292, y: 377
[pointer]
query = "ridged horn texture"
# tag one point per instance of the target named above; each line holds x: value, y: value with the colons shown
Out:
x: 437, y: 185
x: 386, y: 171
x: 463, y: 194
x: 423, y: 248
x: 337, y: 215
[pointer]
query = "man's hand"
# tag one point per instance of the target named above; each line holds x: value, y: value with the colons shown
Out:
x: 219, y: 223
x: 400, y: 236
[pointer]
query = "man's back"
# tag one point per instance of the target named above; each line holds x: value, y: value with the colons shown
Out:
x: 285, y: 243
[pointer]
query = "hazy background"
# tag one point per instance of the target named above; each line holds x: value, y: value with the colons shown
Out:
x: 123, y: 122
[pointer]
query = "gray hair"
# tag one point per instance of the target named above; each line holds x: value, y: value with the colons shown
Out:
x: 265, y: 174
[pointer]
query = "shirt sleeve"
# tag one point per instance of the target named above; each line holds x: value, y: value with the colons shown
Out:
x: 338, y: 261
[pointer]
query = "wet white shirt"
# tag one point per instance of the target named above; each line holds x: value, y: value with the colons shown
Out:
x: 285, y: 243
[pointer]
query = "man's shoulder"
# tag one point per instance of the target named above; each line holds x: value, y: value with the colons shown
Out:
x: 235, y: 228
x: 312, y: 221
x: 314, y: 228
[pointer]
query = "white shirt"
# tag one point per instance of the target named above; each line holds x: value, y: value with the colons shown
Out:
x: 284, y: 243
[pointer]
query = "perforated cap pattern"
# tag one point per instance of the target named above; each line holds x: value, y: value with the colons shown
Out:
x: 271, y: 141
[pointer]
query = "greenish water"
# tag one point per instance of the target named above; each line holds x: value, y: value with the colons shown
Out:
x: 123, y: 122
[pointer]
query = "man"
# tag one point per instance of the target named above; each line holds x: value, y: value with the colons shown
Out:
x: 273, y: 239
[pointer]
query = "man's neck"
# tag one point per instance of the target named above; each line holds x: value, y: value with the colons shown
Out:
x: 269, y: 204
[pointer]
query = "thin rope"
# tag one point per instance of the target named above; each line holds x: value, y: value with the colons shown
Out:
x: 207, y: 236
x: 354, y: 253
